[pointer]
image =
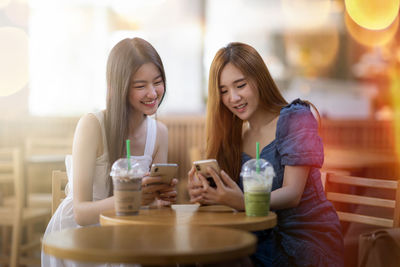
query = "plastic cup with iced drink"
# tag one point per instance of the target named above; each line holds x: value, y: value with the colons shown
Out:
x: 127, y: 182
x: 257, y: 182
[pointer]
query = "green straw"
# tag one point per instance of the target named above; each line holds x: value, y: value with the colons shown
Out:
x: 258, y: 157
x: 128, y: 152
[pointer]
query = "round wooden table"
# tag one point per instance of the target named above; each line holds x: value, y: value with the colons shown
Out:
x: 205, y: 215
x: 150, y: 244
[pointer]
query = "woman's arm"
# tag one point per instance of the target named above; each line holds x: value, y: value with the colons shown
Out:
x: 229, y: 193
x: 87, y: 146
x: 289, y: 195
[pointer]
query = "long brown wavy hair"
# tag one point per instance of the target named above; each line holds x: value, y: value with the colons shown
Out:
x: 223, y: 128
x: 124, y: 60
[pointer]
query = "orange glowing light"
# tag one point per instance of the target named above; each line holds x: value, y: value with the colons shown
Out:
x: 394, y: 76
x: 373, y: 14
x: 370, y: 37
x: 14, y: 60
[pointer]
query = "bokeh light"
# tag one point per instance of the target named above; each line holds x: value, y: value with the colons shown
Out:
x: 312, y: 52
x: 4, y: 3
x: 370, y: 37
x: 373, y: 14
x: 306, y: 14
x: 13, y: 60
x: 394, y: 76
x: 18, y: 13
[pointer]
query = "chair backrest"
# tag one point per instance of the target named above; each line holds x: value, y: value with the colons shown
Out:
x: 352, y: 198
x: 324, y: 172
x: 47, y: 148
x: 11, y: 175
x: 59, y: 180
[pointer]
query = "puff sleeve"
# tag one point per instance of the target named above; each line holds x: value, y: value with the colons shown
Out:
x: 297, y: 135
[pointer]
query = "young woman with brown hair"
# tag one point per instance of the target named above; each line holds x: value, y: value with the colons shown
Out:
x: 244, y: 107
x: 135, y: 89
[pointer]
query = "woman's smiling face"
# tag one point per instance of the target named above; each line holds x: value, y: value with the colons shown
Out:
x: 237, y: 92
x: 146, y: 89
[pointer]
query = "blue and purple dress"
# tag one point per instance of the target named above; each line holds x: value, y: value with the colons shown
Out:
x: 309, y: 234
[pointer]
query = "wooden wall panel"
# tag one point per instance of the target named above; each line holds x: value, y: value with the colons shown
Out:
x: 186, y: 132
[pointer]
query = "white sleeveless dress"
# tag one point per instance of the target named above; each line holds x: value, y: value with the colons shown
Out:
x: 63, y: 217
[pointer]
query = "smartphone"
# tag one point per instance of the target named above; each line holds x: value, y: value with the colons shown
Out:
x: 201, y: 167
x: 166, y: 171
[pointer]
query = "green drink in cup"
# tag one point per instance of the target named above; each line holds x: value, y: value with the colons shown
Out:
x: 257, y: 175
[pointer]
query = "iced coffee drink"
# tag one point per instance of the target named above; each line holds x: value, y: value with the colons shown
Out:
x: 127, y: 182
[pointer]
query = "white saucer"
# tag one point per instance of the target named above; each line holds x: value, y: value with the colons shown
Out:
x: 185, y: 207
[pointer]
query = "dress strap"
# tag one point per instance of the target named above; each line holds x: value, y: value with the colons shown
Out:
x: 150, y: 137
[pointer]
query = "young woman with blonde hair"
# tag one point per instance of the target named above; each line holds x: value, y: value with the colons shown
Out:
x: 135, y: 88
x: 244, y: 107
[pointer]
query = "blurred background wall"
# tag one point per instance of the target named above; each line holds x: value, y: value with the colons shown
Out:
x: 343, y: 56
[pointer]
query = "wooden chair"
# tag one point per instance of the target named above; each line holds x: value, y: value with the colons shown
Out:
x: 48, y: 149
x: 325, y: 171
x: 371, y: 204
x: 393, y: 204
x: 17, y: 217
x: 58, y: 181
x: 42, y: 155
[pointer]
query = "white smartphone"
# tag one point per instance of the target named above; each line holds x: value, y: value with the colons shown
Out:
x: 167, y: 171
x: 201, y: 167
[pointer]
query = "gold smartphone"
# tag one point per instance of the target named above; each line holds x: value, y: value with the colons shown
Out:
x: 167, y: 171
x: 201, y: 167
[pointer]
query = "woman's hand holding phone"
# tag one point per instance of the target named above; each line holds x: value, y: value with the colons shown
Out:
x: 195, y: 187
x: 150, y: 188
x: 226, y: 192
x: 155, y: 193
x: 158, y: 187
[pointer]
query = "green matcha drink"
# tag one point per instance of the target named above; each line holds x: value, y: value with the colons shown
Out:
x: 257, y: 182
x: 257, y: 203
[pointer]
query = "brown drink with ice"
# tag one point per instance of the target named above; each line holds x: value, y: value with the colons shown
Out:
x: 127, y: 182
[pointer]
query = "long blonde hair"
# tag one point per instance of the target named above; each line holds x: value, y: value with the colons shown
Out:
x: 223, y: 128
x: 124, y: 60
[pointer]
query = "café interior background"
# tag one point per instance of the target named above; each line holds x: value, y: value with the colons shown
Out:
x: 344, y: 56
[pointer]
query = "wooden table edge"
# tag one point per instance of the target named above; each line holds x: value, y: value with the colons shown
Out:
x: 95, y: 255
x: 250, y: 226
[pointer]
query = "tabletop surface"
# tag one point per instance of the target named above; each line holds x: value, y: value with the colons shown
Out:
x: 206, y: 215
x: 150, y: 244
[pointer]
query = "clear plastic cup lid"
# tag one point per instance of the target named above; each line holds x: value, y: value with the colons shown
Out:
x: 120, y: 168
x: 257, y: 178
x: 264, y: 167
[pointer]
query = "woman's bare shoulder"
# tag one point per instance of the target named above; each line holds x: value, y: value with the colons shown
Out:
x: 162, y: 129
x: 89, y: 127
x: 89, y: 120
